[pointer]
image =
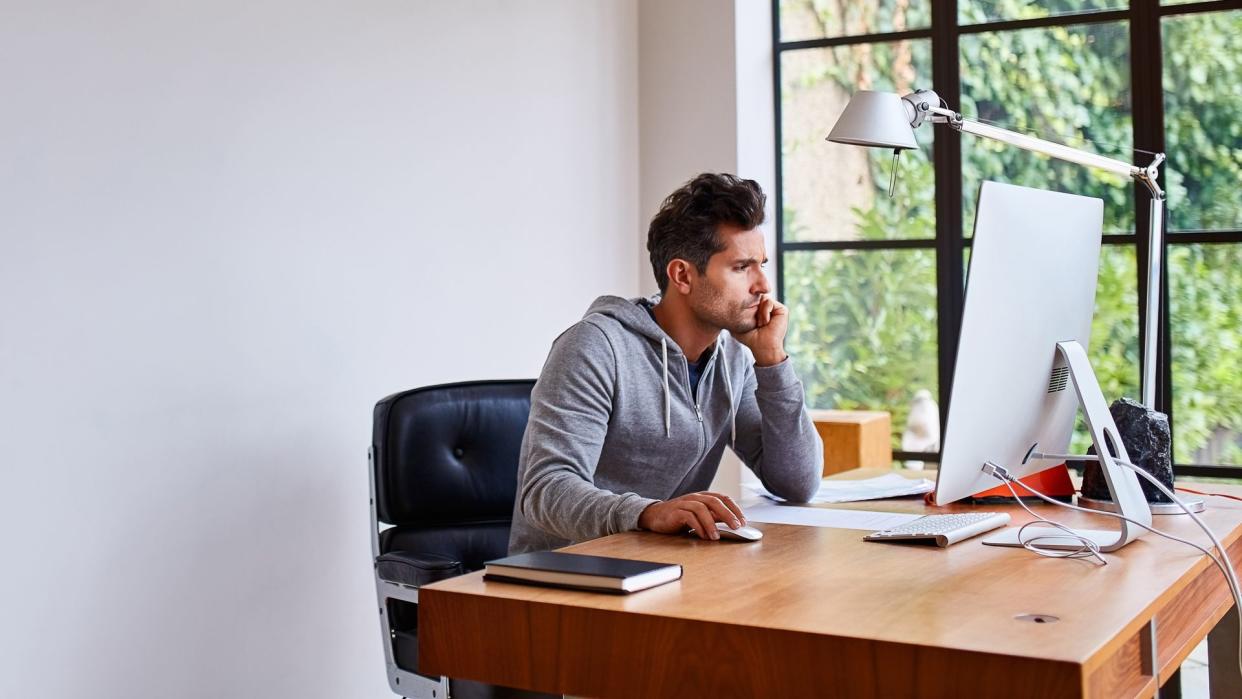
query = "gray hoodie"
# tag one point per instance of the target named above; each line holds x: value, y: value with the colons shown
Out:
x: 614, y: 427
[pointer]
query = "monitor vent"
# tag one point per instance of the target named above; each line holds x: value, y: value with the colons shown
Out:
x: 1059, y: 379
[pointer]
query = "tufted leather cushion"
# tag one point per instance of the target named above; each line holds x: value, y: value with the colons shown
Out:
x: 447, y: 455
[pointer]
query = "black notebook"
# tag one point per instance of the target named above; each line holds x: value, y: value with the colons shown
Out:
x: 574, y: 570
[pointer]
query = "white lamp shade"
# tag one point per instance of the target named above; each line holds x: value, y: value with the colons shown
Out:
x: 875, y: 119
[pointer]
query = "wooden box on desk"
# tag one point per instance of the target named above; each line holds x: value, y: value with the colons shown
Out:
x: 854, y: 439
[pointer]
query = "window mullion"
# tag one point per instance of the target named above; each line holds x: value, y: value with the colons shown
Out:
x: 950, y: 282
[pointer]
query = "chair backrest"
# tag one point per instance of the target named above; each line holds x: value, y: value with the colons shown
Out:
x: 447, y: 456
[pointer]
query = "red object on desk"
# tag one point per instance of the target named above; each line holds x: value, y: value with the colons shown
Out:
x: 1054, y: 482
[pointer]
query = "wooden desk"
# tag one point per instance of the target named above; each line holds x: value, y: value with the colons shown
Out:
x: 814, y: 612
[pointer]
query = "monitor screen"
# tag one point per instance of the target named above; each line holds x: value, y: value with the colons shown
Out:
x: 1031, y: 284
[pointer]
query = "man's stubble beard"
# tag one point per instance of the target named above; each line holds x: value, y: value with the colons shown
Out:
x: 714, y: 310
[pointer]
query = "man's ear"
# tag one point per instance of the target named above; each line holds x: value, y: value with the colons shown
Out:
x: 680, y: 276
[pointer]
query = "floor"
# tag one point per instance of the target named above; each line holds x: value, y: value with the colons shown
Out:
x: 1195, y: 674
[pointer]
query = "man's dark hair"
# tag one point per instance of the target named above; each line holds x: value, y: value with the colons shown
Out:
x: 686, y: 225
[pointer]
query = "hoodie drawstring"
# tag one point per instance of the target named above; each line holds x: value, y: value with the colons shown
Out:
x: 668, y: 406
x: 668, y: 400
x: 729, y: 389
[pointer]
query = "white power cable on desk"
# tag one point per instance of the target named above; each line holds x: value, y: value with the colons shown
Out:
x: 1087, y: 547
x: 1090, y: 548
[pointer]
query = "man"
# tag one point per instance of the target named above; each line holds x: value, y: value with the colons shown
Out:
x: 637, y: 401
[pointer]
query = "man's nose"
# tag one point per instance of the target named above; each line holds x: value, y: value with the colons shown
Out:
x: 761, y: 284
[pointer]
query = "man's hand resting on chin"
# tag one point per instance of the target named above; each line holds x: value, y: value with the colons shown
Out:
x: 767, y: 340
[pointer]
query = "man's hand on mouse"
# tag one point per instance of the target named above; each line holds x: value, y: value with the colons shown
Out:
x: 767, y: 340
x: 698, y: 511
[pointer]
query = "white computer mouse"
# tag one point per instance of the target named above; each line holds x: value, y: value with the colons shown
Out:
x: 742, y: 533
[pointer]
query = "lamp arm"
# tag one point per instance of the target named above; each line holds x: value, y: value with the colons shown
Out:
x: 1037, y: 145
x: 1155, y: 234
x: 1155, y: 264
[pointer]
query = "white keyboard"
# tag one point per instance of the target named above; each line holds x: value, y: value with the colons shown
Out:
x: 943, y: 529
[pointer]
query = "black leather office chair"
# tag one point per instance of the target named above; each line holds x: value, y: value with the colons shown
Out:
x: 443, y: 465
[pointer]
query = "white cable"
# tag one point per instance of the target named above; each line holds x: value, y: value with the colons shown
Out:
x: 1225, y: 567
x: 1087, y: 548
x: 1003, y: 474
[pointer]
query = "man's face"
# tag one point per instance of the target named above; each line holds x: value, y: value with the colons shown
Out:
x: 728, y: 293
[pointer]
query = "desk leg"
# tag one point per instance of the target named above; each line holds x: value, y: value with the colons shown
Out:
x: 1172, y: 689
x: 1224, y: 679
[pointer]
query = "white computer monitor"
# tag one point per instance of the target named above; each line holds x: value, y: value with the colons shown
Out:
x: 1022, y: 371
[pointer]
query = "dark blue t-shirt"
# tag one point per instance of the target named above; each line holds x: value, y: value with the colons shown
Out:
x: 696, y: 368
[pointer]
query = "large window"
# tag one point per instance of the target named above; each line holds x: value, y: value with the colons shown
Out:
x: 875, y: 283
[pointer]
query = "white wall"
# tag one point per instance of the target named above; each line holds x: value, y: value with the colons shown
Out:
x: 705, y: 102
x: 687, y: 121
x: 755, y: 105
x: 705, y: 105
x: 226, y: 230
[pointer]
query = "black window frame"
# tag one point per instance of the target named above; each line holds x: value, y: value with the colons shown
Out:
x: 1143, y: 19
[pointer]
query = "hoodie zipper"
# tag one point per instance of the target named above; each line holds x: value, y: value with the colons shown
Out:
x: 694, y: 394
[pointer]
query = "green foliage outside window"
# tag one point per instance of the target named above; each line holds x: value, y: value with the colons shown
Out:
x: 864, y: 337
x: 1203, y: 120
x: 1205, y: 289
x: 864, y: 330
x: 1203, y: 133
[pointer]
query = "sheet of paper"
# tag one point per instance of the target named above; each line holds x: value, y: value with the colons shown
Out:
x: 890, y: 485
x: 825, y: 517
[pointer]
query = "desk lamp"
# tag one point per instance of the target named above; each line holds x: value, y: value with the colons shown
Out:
x: 885, y: 120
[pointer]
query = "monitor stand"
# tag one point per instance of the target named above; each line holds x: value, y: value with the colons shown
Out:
x: 1123, y: 483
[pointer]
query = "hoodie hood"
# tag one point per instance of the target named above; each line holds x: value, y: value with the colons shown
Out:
x: 630, y: 313
x: 633, y: 315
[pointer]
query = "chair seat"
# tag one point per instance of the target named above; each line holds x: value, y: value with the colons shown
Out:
x: 414, y: 569
x: 472, y: 544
